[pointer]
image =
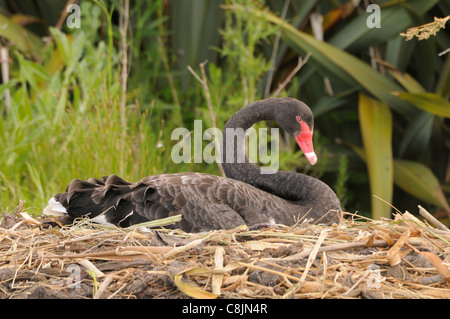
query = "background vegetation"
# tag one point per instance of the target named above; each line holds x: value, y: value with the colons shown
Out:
x: 105, y: 97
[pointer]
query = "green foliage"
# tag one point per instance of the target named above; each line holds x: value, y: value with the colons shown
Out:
x: 61, y: 125
x: 26, y: 41
x: 242, y: 36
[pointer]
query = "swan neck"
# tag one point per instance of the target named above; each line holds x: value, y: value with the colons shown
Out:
x: 282, y: 184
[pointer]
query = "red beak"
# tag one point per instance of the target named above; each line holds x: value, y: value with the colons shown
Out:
x: 304, y: 140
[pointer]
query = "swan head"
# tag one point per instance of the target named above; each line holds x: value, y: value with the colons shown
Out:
x: 296, y: 118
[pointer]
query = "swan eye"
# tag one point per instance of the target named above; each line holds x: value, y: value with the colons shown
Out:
x: 298, y: 118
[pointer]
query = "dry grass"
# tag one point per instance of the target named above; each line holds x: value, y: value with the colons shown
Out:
x: 362, y: 258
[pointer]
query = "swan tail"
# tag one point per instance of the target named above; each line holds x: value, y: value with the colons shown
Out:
x: 54, y: 208
x: 76, y: 202
x: 105, y: 201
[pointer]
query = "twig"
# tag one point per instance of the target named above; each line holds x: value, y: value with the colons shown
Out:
x: 204, y: 82
x: 63, y: 15
x: 195, y: 75
x: 444, y: 52
x: 412, y: 220
x: 425, y: 214
x: 300, y: 64
x: 4, y: 58
x: 90, y: 266
x: 123, y: 26
x: 157, y: 223
x: 186, y: 247
x: 103, y: 286
x: 178, y: 117
x: 270, y: 271
x: 311, y: 258
x: 120, y: 253
x: 217, y: 278
x: 117, y: 291
x: 343, y: 246
x: 207, y: 93
x: 355, y: 285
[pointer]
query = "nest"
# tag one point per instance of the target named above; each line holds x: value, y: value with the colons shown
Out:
x: 361, y: 258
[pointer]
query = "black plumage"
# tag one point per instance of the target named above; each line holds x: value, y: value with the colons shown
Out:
x: 209, y: 202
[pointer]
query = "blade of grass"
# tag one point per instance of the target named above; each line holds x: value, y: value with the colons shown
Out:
x: 417, y: 135
x: 376, y: 129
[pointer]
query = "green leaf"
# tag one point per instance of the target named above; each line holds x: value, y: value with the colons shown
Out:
x: 376, y: 129
x: 408, y: 82
x: 62, y: 43
x: 195, y: 26
x: 418, y: 180
x: 32, y: 72
x: 430, y: 102
x: 7, y: 86
x: 91, y: 273
x: 26, y: 41
x: 338, y: 63
x: 399, y: 52
x: 328, y: 104
x: 417, y: 135
x: 443, y: 85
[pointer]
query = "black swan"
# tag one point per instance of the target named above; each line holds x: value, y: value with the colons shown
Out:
x: 209, y: 202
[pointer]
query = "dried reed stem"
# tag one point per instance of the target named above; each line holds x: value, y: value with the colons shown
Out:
x: 425, y: 214
x: 123, y: 27
x: 103, y: 286
x: 4, y: 60
x: 301, y: 62
x: 204, y: 82
x: 311, y: 258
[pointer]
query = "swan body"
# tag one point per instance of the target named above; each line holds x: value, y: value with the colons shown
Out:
x: 208, y: 202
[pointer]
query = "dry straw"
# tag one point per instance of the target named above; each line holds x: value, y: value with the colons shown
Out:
x: 361, y: 258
